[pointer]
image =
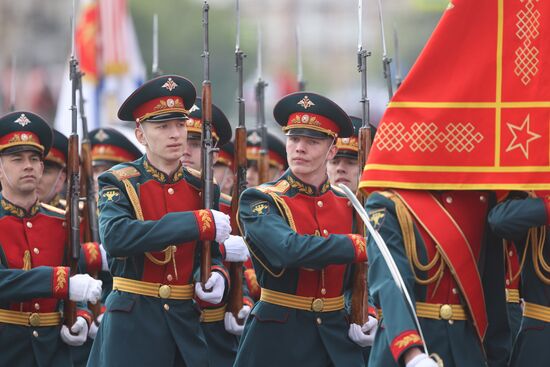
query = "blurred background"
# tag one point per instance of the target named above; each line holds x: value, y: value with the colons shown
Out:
x: 114, y: 45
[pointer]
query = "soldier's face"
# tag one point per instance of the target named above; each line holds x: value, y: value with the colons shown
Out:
x: 307, y: 155
x: 20, y: 172
x: 51, y: 183
x: 343, y: 170
x: 164, y: 141
x: 192, y: 154
x: 224, y: 178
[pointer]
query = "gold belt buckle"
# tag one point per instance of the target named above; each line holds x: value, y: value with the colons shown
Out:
x: 317, y: 305
x: 34, y: 319
x: 446, y: 312
x: 164, y: 291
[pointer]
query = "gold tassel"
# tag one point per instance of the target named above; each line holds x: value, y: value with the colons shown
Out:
x: 27, y: 260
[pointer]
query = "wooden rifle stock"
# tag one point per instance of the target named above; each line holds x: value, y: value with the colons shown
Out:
x: 89, y: 212
x: 235, y: 301
x: 360, y: 294
x: 72, y: 218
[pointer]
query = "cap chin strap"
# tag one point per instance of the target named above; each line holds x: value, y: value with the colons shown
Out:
x: 143, y: 132
x: 5, y: 173
x: 50, y: 196
x: 329, y: 148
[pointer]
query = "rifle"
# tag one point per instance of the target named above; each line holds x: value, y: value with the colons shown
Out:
x: 386, y: 61
x: 73, y: 183
x: 359, y: 297
x: 207, y: 174
x: 263, y: 161
x: 300, y: 70
x: 235, y: 301
x: 155, y: 71
x: 91, y: 231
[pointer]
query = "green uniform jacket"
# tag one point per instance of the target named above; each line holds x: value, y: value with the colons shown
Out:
x: 42, y: 235
x: 455, y: 341
x: 140, y: 330
x: 511, y: 220
x: 300, y: 242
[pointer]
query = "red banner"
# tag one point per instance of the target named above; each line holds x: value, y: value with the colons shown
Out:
x: 474, y: 111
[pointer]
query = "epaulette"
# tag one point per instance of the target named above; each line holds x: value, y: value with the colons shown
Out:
x: 52, y: 208
x: 279, y: 187
x: 125, y: 173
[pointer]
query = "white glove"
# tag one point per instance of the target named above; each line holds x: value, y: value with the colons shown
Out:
x: 235, y: 249
x: 364, y: 335
x: 104, y: 263
x: 422, y: 360
x: 94, y: 327
x: 223, y: 225
x: 215, y: 285
x: 79, y: 328
x: 83, y: 287
x: 231, y: 324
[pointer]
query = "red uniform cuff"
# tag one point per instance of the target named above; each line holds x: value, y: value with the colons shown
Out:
x: 92, y: 255
x: 205, y: 224
x: 252, y: 283
x: 60, y: 281
x: 86, y: 315
x: 360, y: 247
x: 403, y: 342
x: 372, y: 311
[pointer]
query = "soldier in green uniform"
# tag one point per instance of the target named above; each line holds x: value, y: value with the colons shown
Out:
x: 276, y: 154
x: 33, y: 239
x: 151, y: 217
x: 453, y: 272
x: 525, y: 222
x: 344, y: 167
x: 223, y: 168
x: 222, y: 342
x: 52, y: 181
x: 301, y: 254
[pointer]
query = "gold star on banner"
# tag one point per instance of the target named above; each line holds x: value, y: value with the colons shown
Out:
x: 522, y: 137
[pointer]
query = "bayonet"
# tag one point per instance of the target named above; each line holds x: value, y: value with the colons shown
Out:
x: 300, y: 70
x: 386, y: 61
x: 12, y: 82
x: 263, y: 161
x: 398, y: 77
x: 155, y: 64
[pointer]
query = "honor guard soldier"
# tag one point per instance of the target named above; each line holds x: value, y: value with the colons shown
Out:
x: 33, y: 241
x: 223, y: 169
x: 110, y: 147
x: 150, y: 222
x: 222, y: 342
x: 299, y: 230
x: 53, y: 179
x: 276, y: 154
x: 440, y: 245
x: 344, y: 167
x: 526, y: 222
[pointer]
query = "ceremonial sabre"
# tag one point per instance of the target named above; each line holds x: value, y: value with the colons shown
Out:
x: 398, y: 279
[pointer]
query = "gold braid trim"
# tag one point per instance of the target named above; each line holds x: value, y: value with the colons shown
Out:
x: 537, y: 238
x: 134, y: 200
x: 409, y: 240
x: 27, y: 263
